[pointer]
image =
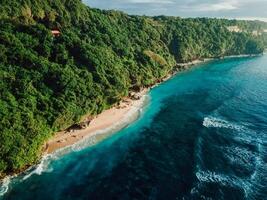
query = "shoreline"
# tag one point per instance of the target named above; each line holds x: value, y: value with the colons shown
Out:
x: 110, y: 120
x: 127, y: 108
x: 123, y: 117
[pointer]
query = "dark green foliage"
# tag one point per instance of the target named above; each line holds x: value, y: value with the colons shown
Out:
x: 48, y: 83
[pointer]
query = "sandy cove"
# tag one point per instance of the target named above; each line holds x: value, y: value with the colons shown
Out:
x: 115, y: 117
x: 110, y: 120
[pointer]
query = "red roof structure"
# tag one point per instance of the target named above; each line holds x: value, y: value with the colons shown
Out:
x: 55, y: 33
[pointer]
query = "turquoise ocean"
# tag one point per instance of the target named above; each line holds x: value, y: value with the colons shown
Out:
x: 202, y: 135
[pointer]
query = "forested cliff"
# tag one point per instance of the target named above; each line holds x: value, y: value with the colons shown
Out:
x: 48, y: 83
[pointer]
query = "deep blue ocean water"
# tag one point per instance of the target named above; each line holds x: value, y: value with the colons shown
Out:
x: 203, y: 135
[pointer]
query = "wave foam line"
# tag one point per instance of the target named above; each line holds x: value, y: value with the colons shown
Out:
x: 43, y: 166
x: 230, y: 181
x: 212, y: 177
x: 40, y: 168
x: 4, y: 186
x: 212, y: 122
x: 93, y: 139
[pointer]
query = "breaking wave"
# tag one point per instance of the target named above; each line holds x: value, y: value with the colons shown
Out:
x: 4, y: 185
x: 212, y: 122
x: 212, y: 177
x: 240, y: 156
x: 222, y: 179
x: 43, y: 166
x: 97, y: 136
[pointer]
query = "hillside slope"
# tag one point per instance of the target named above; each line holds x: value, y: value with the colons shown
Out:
x: 48, y: 83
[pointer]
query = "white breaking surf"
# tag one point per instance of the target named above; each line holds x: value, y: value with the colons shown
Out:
x: 212, y: 122
x: 4, y: 185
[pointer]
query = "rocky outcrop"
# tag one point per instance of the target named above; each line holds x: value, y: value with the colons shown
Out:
x: 78, y: 126
x: 135, y: 96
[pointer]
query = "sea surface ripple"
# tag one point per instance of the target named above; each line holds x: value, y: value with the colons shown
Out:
x: 203, y: 135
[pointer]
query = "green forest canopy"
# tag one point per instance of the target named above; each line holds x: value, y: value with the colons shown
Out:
x: 48, y: 83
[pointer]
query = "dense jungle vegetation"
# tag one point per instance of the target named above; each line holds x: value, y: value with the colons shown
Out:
x: 48, y: 83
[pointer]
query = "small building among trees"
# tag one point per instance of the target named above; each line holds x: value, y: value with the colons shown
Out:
x: 55, y: 32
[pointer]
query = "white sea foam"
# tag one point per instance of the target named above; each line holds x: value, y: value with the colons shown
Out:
x: 86, y: 142
x: 224, y: 180
x: 4, y: 185
x: 94, y: 138
x: 43, y: 166
x: 213, y: 122
x: 99, y: 135
x: 38, y: 169
x: 257, y: 177
x: 213, y: 177
x: 251, y: 160
x: 244, y: 184
x: 221, y: 179
x: 238, y: 155
x: 249, y: 138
